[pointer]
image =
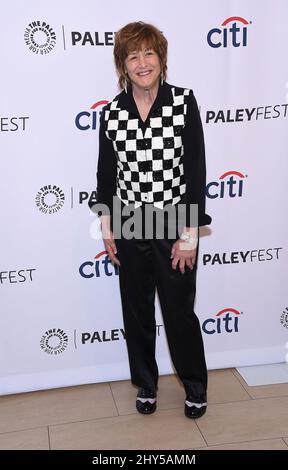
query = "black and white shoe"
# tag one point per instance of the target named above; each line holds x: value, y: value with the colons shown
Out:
x: 146, y: 401
x: 194, y: 410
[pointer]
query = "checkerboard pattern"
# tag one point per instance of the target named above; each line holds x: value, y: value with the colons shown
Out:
x: 150, y: 165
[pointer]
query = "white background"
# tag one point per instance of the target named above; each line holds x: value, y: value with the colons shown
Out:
x: 52, y: 90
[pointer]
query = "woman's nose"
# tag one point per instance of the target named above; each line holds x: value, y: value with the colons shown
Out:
x: 142, y: 60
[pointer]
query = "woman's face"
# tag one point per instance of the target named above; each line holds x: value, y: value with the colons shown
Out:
x: 143, y: 68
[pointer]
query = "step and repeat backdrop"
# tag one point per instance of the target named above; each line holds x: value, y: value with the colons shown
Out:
x: 61, y: 320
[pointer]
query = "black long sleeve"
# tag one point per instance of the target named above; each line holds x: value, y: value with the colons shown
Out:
x: 194, y: 162
x: 106, y: 169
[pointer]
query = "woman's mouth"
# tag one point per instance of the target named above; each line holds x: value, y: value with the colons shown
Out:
x: 143, y: 74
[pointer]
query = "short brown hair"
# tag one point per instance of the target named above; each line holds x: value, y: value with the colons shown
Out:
x: 130, y: 38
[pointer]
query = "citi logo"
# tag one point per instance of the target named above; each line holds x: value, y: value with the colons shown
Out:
x: 226, y: 321
x: 101, y: 266
x: 86, y: 120
x: 230, y: 184
x: 233, y: 32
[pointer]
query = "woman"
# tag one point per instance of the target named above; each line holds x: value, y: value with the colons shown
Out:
x: 151, y: 155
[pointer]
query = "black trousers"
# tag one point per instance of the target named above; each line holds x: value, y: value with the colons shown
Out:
x: 145, y: 266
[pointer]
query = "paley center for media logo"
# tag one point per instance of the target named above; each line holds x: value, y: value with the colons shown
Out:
x: 284, y: 318
x: 100, y: 266
x: 54, y: 341
x: 40, y: 37
x: 233, y: 33
x: 225, y: 321
x: 230, y: 184
x: 50, y: 199
x: 88, y: 120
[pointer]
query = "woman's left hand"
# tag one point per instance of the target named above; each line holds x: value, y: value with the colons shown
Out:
x: 183, y: 253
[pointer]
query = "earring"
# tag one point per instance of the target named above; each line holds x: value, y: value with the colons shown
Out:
x: 125, y: 85
x: 162, y: 78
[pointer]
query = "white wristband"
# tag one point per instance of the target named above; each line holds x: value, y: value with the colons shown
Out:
x: 189, y: 239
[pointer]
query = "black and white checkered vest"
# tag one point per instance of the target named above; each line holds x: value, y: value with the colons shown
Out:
x: 149, y: 165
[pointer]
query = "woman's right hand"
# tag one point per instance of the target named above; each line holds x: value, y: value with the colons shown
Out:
x: 109, y: 241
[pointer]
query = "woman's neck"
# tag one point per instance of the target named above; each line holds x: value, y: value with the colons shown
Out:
x: 145, y: 96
